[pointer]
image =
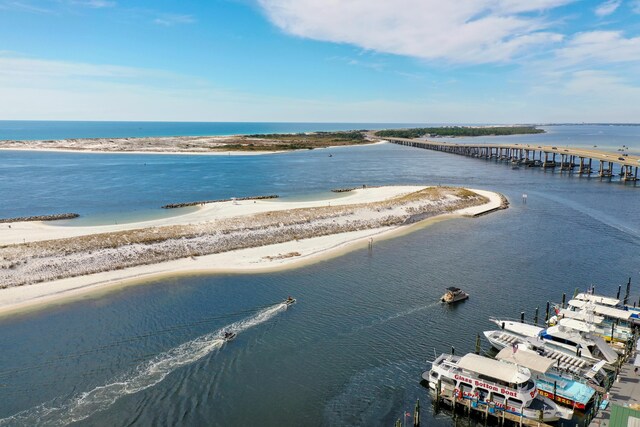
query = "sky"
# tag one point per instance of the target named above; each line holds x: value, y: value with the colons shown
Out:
x: 402, y: 61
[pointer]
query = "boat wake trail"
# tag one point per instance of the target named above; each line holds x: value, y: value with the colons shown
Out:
x: 141, y: 377
x: 403, y: 313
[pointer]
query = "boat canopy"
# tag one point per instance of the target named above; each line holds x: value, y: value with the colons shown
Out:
x: 583, y: 315
x: 577, y: 325
x: 494, y: 369
x: 453, y: 289
x: 598, y: 299
x: 528, y: 359
x: 603, y: 310
x: 609, y: 354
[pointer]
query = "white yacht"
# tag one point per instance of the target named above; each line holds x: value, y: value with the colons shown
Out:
x: 579, y: 368
x: 584, y: 320
x: 564, y: 338
x: 491, y: 382
x: 627, y: 317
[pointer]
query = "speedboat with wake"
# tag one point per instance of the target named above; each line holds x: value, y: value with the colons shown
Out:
x: 228, y: 335
x: 492, y: 383
x: 289, y: 301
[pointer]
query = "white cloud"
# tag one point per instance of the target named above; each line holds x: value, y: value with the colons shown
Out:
x: 169, y: 20
x: 463, y: 31
x: 599, y: 47
x: 31, y: 69
x: 608, y: 7
x: 96, y: 4
x: 23, y: 6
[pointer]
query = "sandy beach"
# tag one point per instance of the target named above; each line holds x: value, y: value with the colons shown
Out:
x: 198, y: 145
x: 305, y: 232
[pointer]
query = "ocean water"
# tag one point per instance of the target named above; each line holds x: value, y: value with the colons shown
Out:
x: 30, y: 130
x: 351, y: 351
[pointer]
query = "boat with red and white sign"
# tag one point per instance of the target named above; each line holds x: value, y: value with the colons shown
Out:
x: 495, y: 383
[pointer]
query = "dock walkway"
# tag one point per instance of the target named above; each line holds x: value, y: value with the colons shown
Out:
x: 624, y: 392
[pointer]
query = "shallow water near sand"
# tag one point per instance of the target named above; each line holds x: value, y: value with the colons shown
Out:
x: 351, y: 351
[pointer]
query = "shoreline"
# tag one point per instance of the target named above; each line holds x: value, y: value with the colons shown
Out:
x: 253, y: 260
x: 186, y: 153
x: 189, y: 153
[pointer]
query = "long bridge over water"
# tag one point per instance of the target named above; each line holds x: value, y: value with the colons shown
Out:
x: 545, y: 156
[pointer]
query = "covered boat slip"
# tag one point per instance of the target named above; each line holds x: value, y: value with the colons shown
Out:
x: 550, y: 384
x: 582, y: 315
x: 606, y: 311
x: 598, y: 299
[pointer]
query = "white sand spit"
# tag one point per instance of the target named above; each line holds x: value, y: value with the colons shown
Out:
x: 42, y: 263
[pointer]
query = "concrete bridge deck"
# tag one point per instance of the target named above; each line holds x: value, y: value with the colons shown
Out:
x: 538, y: 155
x: 605, y: 156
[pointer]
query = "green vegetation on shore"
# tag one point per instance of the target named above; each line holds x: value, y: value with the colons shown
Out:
x: 295, y: 141
x: 458, y: 131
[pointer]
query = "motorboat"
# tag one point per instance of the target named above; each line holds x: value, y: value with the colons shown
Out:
x: 626, y: 316
x: 494, y: 383
x: 454, y: 294
x: 556, y: 385
x: 289, y: 301
x: 565, y: 338
x: 228, y: 335
x: 586, y: 320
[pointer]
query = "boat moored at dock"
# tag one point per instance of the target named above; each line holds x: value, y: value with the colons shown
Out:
x: 564, y: 338
x: 554, y: 384
x: 494, y: 383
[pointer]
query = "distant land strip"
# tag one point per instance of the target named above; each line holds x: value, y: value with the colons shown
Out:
x: 454, y: 131
x: 202, y: 202
x: 40, y: 218
x: 256, y: 143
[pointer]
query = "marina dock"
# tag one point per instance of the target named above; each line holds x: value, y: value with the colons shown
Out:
x: 623, y: 396
x: 467, y: 406
x: 614, y: 401
x: 567, y: 159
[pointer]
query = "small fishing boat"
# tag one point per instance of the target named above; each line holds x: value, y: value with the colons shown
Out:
x: 454, y: 294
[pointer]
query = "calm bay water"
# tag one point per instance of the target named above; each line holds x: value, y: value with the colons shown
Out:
x: 352, y: 350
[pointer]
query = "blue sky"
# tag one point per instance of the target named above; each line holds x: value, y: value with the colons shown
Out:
x: 472, y: 61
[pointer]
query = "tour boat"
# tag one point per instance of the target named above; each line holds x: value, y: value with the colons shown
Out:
x: 498, y: 384
x: 565, y: 338
x: 454, y: 294
x: 557, y: 385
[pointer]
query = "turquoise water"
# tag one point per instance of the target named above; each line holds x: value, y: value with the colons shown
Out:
x: 351, y: 351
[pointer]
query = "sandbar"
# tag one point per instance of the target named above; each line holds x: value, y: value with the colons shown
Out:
x: 286, y: 254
